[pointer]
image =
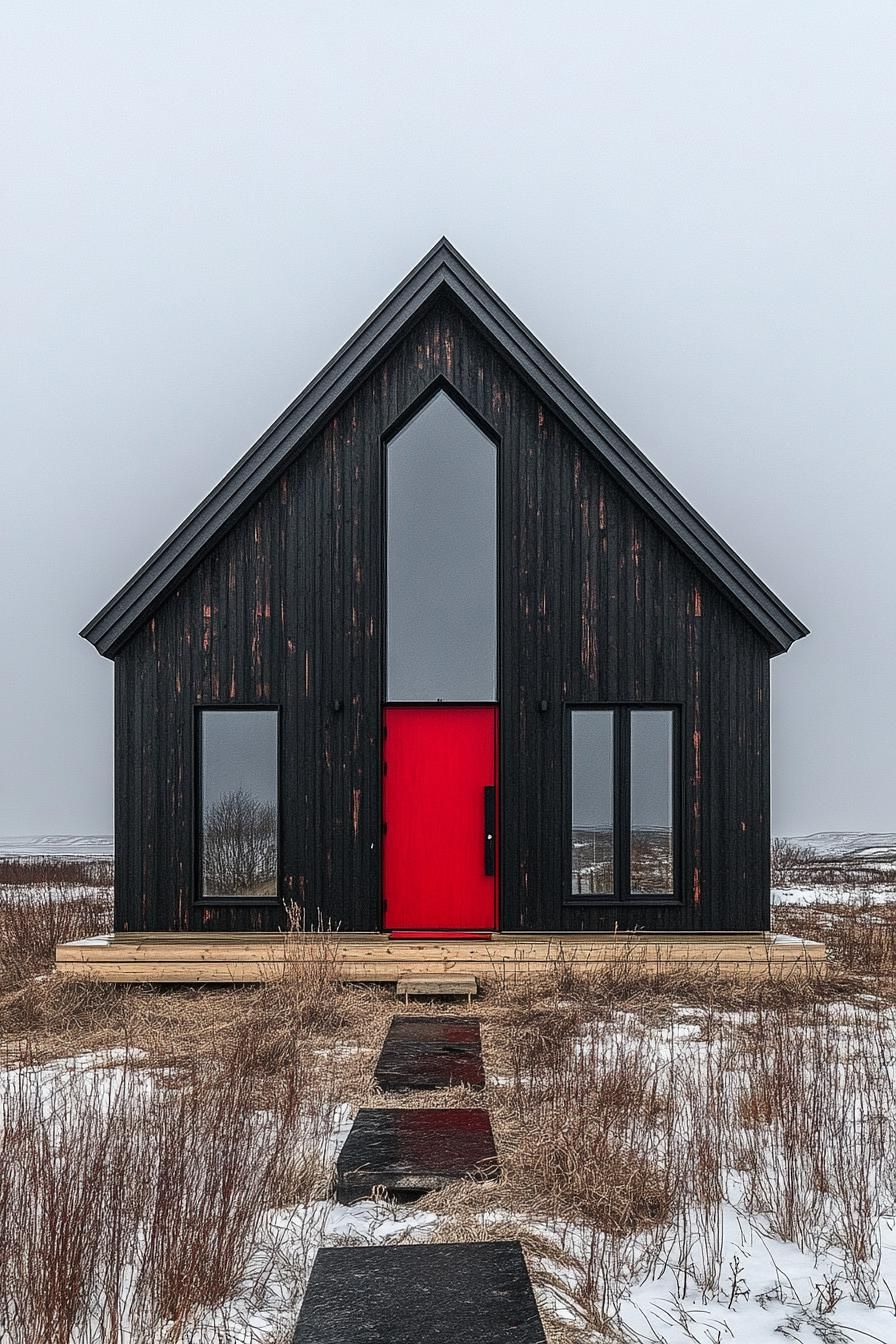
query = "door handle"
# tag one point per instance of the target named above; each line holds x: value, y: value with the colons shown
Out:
x: 489, y: 829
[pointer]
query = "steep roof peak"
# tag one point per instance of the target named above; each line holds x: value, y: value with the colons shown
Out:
x: 442, y: 268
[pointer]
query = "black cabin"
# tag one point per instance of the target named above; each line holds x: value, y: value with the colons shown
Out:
x: 443, y: 654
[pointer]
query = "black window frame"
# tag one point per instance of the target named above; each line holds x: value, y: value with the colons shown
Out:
x: 622, y: 806
x: 436, y: 385
x: 211, y: 903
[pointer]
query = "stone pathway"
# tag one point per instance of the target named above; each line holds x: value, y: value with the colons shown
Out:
x: 407, y: 1153
x: 430, y: 1052
x: 478, y: 1293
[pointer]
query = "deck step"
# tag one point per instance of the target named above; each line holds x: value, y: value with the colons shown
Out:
x: 436, y: 986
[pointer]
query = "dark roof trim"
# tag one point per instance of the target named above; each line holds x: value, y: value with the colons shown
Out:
x: 442, y: 268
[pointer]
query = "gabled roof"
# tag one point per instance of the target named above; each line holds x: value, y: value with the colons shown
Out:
x: 442, y: 270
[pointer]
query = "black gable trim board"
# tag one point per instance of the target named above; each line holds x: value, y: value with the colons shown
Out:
x: 442, y: 270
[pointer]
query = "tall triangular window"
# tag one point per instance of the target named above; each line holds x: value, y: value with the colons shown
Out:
x: 441, y: 559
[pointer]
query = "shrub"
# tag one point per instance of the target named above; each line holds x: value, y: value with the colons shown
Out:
x: 239, y: 845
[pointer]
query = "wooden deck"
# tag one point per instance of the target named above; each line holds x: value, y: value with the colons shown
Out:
x: 231, y: 958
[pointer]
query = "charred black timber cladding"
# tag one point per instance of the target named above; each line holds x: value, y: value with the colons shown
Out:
x: 443, y: 274
x: 597, y: 604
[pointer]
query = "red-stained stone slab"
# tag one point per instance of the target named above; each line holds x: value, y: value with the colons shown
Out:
x: 406, y: 1153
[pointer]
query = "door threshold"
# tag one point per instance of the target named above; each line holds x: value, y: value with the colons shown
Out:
x: 444, y: 934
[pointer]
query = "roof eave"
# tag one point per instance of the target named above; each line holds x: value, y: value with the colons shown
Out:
x: 111, y: 627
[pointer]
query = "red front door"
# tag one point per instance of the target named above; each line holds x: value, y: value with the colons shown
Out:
x: 440, y: 810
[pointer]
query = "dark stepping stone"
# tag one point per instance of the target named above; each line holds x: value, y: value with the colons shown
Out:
x: 410, y: 1152
x: 471, y: 1294
x: 430, y: 1052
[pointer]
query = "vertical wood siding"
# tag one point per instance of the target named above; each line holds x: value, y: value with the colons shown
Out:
x: 596, y: 605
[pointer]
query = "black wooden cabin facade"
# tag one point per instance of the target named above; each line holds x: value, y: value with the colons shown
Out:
x: 612, y: 595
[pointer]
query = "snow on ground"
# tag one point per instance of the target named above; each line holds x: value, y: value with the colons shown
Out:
x: 767, y: 1289
x: 284, y: 1246
x: 73, y: 892
x: 827, y: 895
x: 55, y: 1086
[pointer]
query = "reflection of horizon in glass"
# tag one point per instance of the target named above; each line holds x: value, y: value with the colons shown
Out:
x: 239, y: 803
x: 651, y: 832
x: 592, y: 861
x: 592, y: 802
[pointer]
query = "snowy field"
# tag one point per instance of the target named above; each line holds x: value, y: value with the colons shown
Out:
x: 862, y: 844
x: 684, y: 1163
x: 823, y: 894
x: 775, y: 1255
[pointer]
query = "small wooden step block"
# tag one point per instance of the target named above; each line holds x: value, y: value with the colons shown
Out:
x: 436, y: 986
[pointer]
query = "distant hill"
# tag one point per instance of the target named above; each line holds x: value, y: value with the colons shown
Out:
x: 60, y: 846
x: 878, y: 845
x: 856, y: 844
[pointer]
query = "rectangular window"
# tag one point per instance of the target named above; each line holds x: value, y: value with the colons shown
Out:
x: 623, y: 803
x: 238, y: 769
x: 592, y: 802
x: 651, y: 802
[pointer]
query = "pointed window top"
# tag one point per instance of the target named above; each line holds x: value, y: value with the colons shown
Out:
x: 441, y: 558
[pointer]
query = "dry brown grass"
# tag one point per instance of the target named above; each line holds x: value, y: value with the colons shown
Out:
x: 859, y: 932
x: 618, y: 1128
x: 631, y: 978
x: 795, y: 865
x: 622, y: 1098
x: 129, y: 1198
x: 139, y: 1193
x: 34, y: 919
x: 580, y: 1132
x: 40, y: 871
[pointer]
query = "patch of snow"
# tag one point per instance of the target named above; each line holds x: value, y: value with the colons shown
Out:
x: 841, y: 895
x: 765, y: 1289
x: 63, y: 891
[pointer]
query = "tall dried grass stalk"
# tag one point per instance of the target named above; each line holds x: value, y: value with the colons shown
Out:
x: 633, y: 1137
x: 127, y: 1201
x: 859, y: 933
x: 34, y: 919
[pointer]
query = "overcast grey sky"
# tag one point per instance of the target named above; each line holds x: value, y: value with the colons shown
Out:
x: 691, y: 204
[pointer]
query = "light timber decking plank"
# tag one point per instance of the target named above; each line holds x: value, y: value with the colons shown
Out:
x: 374, y: 958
